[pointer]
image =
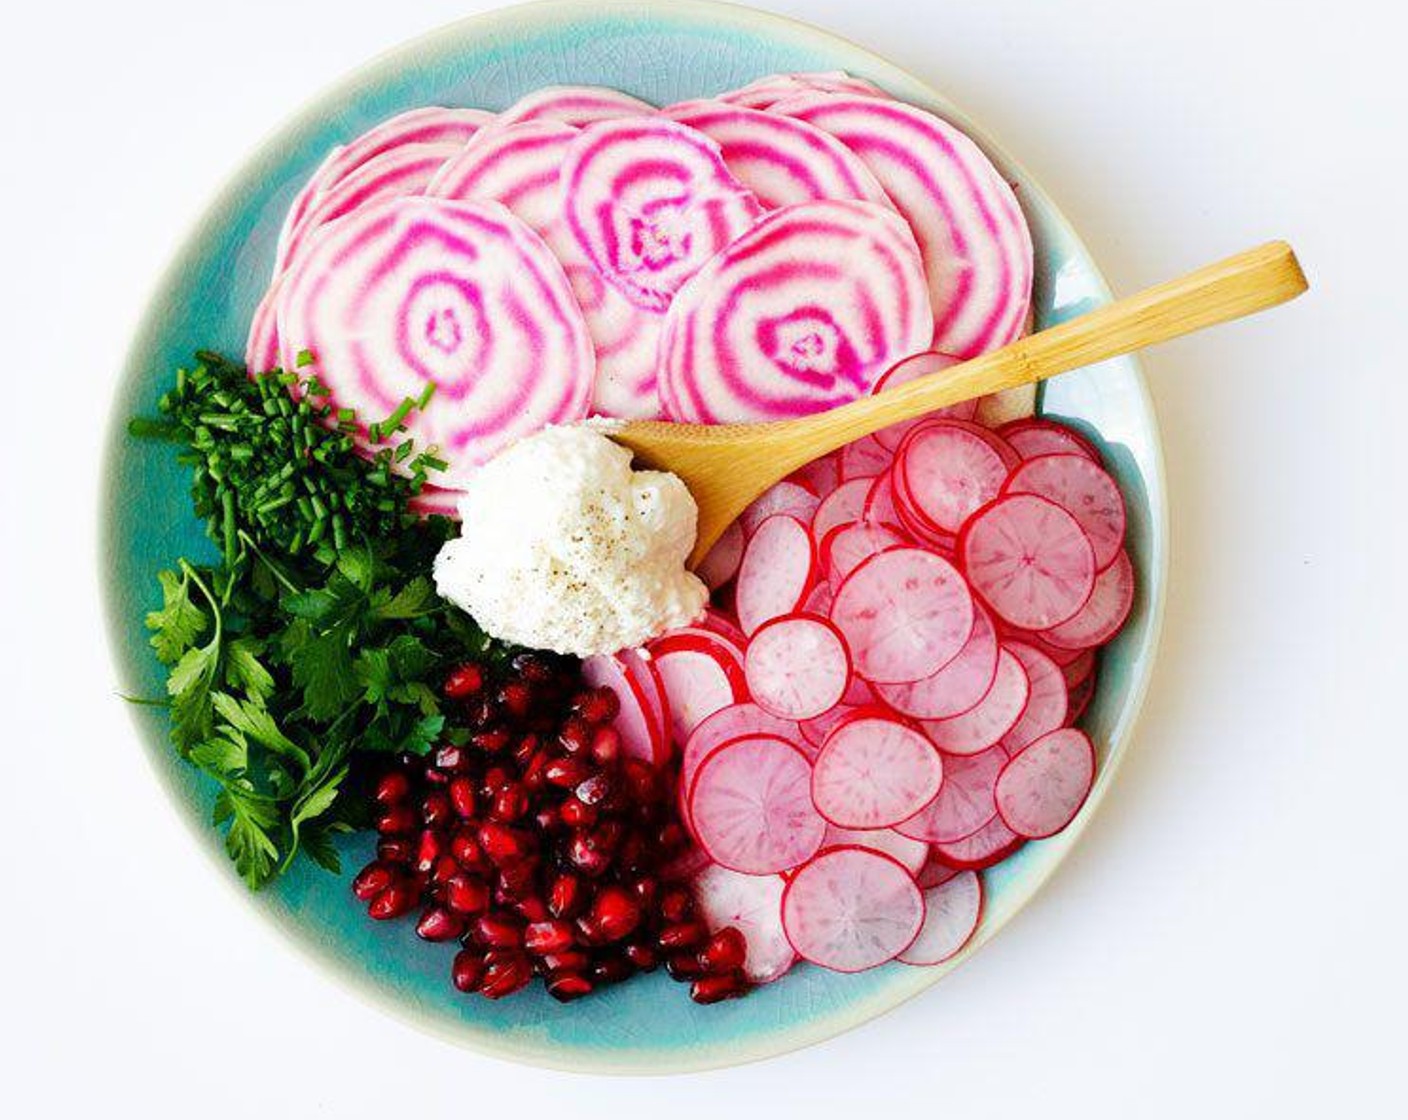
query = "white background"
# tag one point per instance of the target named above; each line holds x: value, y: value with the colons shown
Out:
x: 1229, y: 937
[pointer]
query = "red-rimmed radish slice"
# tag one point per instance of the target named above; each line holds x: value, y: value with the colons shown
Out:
x: 1047, y: 700
x: 874, y: 772
x: 396, y: 173
x: 916, y: 366
x: 751, y: 904
x: 801, y: 313
x: 910, y: 854
x: 649, y: 201
x: 850, y: 909
x: 783, y: 161
x: 643, y: 674
x: 778, y: 570
x: 860, y: 694
x: 933, y: 873
x: 951, y: 913
x: 723, y: 625
x: 949, y: 471
x: 984, y: 725
x: 958, y: 686
x: 1033, y: 638
x: 765, y: 91
x: 975, y: 242
x: 752, y: 808
x: 1029, y: 560
x: 737, y: 721
x: 519, y: 165
x: 965, y: 801
x: 904, y: 614
x: 1081, y: 668
x: 1085, y: 491
x: 1104, y: 612
x: 261, y: 352
x: 1042, y: 788
x: 816, y: 730
x: 991, y: 844
x: 915, y: 523
x: 575, y: 105
x: 786, y: 497
x: 847, y: 547
x: 866, y: 457
x: 880, y: 508
x: 430, y: 125
x: 818, y: 601
x: 640, y: 735
x: 701, y: 673
x: 844, y: 504
x: 415, y: 291
x: 820, y: 476
x: 797, y: 666
x: 721, y: 563
x: 1033, y: 436
x: 1081, y: 696
x: 436, y: 501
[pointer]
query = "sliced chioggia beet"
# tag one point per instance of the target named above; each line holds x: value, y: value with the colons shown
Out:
x: 414, y: 292
x: 575, y: 105
x: 801, y: 313
x: 649, y: 202
x: 769, y: 90
x: 975, y: 241
x: 850, y: 909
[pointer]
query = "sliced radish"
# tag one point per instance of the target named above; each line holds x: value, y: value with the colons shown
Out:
x: 1029, y: 559
x: 850, y: 909
x: 1033, y: 436
x: 649, y: 201
x: 751, y: 904
x: 919, y: 365
x: 957, y: 687
x: 880, y: 506
x: 909, y: 853
x: 866, y: 457
x: 1044, y: 785
x: 738, y: 721
x: 933, y: 873
x: 797, y: 666
x: 769, y: 90
x: 860, y: 694
x: 640, y: 736
x: 644, y: 675
x: 976, y: 245
x: 752, y: 808
x: 575, y: 105
x: 820, y: 476
x: 951, y: 913
x: 1081, y: 695
x: 782, y: 497
x: 701, y: 673
x: 1085, y: 491
x: 984, y: 725
x: 965, y: 801
x: 818, y: 601
x: 874, y: 772
x: 1047, y: 701
x: 847, y: 547
x: 991, y: 844
x: 778, y: 569
x: 417, y: 291
x: 1104, y: 612
x: 816, y: 730
x: 904, y: 614
x: 949, y: 471
x: 801, y: 313
x: 1080, y: 669
x: 721, y: 564
x: 723, y: 625
x: 844, y: 504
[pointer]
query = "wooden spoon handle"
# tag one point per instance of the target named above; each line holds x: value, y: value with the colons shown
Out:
x: 1217, y: 293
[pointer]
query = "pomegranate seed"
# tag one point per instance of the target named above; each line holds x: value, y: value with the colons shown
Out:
x: 504, y: 974
x: 451, y: 758
x: 525, y: 749
x: 597, y: 706
x: 532, y: 909
x: 645, y: 890
x: 614, y: 914
x: 533, y: 772
x: 606, y: 745
x: 483, y: 712
x: 641, y: 956
x: 631, y: 854
x: 396, y: 849
x: 466, y: 894
x: 574, y: 814
x: 430, y: 848
x: 392, y: 788
x: 462, y: 797
x: 394, y: 901
x: 438, y: 924
x: 519, y: 879
x: 548, y: 818
x: 490, y: 742
x: 552, y: 936
x: 684, y: 966
x: 640, y: 781
x: 611, y: 970
x: 467, y: 970
x: 399, y: 818
x: 495, y: 779
x: 464, y: 681
x: 712, y: 989
x: 676, y: 904
x: 466, y: 850
x: 445, y: 869
x: 566, y: 772
x: 586, y: 857
x: 372, y: 880
x: 435, y: 809
x: 573, y: 960
x: 594, y: 790
x: 565, y: 896
x: 516, y: 698
x: 567, y: 986
x: 503, y: 844
x: 671, y: 837
x: 532, y: 667
x: 575, y: 736
x: 436, y: 776
x: 510, y: 803
x: 725, y: 952
x: 681, y: 935
x: 498, y: 931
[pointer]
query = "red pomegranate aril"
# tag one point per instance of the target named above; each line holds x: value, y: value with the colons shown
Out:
x: 466, y: 894
x: 586, y: 857
x: 631, y: 853
x: 719, y: 986
x: 566, y: 772
x: 510, y: 804
x: 725, y: 952
x: 615, y: 913
x: 552, y: 936
x: 594, y: 790
x: 671, y: 837
x: 451, y: 758
x: 576, y: 736
x: 399, y: 818
x: 464, y: 846
x: 573, y: 960
x: 525, y: 749
x: 574, y: 814
x: 467, y: 970
x: 498, y: 931
x: 439, y: 924
x: 606, y: 745
x: 464, y: 681
x: 483, y: 712
x: 462, y: 797
x: 516, y: 698
x: 395, y: 901
x: 567, y: 986
x: 640, y: 781
x: 394, y: 786
x: 645, y: 889
x: 532, y: 909
x: 682, y: 935
x: 566, y: 896
x: 641, y: 956
x: 684, y: 966
x: 437, y: 777
x: 611, y: 970
x: 372, y: 880
x: 520, y: 879
x: 504, y: 974
x: 548, y: 818
x: 676, y: 904
x: 533, y: 668
x: 435, y: 809
x: 396, y: 849
x: 445, y: 869
x: 503, y: 844
x: 534, y: 769
x: 597, y: 705
x: 495, y: 779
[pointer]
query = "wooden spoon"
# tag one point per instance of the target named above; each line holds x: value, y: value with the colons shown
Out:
x: 726, y: 466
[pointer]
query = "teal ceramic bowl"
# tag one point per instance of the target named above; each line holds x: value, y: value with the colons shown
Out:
x: 663, y: 53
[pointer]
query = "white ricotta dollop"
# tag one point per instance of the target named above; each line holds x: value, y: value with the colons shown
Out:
x: 564, y: 547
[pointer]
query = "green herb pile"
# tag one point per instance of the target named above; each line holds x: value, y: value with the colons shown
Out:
x: 318, y: 632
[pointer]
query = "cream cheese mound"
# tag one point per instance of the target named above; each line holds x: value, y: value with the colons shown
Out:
x: 564, y: 547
